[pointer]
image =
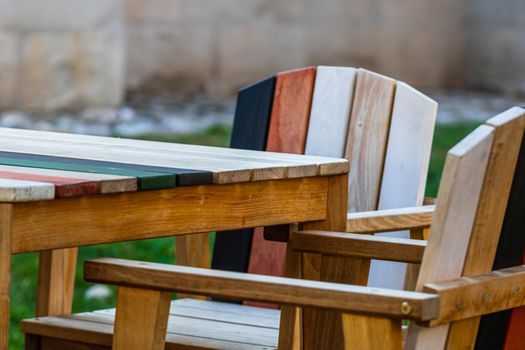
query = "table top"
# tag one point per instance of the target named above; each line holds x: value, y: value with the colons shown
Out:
x: 38, y: 165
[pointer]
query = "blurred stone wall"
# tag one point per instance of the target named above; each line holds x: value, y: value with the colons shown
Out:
x: 495, y: 45
x: 220, y: 45
x: 57, y: 54
x: 61, y: 54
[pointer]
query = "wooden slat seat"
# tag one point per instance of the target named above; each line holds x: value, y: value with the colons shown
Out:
x: 193, y: 324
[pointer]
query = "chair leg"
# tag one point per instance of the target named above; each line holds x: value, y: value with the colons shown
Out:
x: 141, y: 320
x: 5, y: 273
x: 56, y: 282
x: 193, y: 250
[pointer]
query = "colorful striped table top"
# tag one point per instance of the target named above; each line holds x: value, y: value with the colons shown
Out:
x: 38, y: 165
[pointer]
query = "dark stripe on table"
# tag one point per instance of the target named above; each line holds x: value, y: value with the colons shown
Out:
x: 183, y: 177
x: 145, y: 180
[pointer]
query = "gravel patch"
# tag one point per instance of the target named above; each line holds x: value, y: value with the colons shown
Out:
x: 179, y: 114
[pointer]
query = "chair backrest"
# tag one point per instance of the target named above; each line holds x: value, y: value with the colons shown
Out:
x: 472, y: 206
x: 382, y: 126
x: 504, y: 330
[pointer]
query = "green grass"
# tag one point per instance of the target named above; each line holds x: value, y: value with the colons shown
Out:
x: 162, y: 250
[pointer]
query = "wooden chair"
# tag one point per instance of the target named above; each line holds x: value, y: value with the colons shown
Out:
x: 384, y: 127
x: 330, y: 111
x: 477, y: 206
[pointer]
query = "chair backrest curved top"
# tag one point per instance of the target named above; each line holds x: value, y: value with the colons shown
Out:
x: 383, y: 126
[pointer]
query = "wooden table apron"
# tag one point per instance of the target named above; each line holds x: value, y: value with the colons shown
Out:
x: 99, y: 219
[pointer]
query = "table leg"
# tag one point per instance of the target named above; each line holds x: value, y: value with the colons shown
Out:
x: 192, y: 250
x: 5, y: 272
x: 311, y: 267
x: 56, y: 282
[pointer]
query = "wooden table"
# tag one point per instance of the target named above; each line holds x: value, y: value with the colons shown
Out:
x: 62, y: 191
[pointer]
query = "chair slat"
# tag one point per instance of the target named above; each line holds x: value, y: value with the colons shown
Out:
x: 23, y: 191
x: 509, y: 127
x: 476, y: 209
x: 405, y: 170
x: 330, y: 115
x: 460, y: 189
x: 367, y: 138
x: 493, y: 328
x: 287, y: 133
x: 365, y: 146
x: 252, y: 118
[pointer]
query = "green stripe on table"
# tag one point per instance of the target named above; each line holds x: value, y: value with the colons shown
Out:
x: 147, y: 180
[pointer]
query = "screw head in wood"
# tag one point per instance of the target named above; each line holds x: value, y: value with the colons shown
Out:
x: 486, y: 298
x: 458, y: 305
x: 517, y: 290
x: 406, y: 308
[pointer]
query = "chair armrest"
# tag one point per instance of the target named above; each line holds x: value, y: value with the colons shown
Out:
x: 358, y: 245
x: 390, y: 220
x: 284, y: 291
x: 468, y: 297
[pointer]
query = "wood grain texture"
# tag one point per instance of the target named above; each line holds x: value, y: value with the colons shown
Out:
x: 24, y: 191
x: 365, y: 332
x: 183, y: 210
x: 478, y: 295
x: 360, y: 246
x: 282, y: 290
x: 141, y: 320
x: 493, y: 329
x: 192, y: 250
x: 250, y: 129
x: 225, y: 170
x: 5, y: 273
x: 296, y: 166
x: 367, y: 138
x: 390, y: 219
x: 56, y: 282
x: 287, y: 133
x: 105, y: 183
x: 405, y: 169
x: 459, y: 193
x: 509, y: 127
x: 330, y: 113
x: 212, y: 325
x: 291, y: 111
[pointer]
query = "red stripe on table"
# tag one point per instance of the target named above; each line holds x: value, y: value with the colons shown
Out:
x: 64, y: 186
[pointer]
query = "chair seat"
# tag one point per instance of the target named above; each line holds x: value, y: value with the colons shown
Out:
x: 193, y: 324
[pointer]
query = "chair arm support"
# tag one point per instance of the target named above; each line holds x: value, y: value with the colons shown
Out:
x: 358, y: 245
x: 390, y: 220
x: 468, y: 297
x: 284, y: 291
x: 371, y: 222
